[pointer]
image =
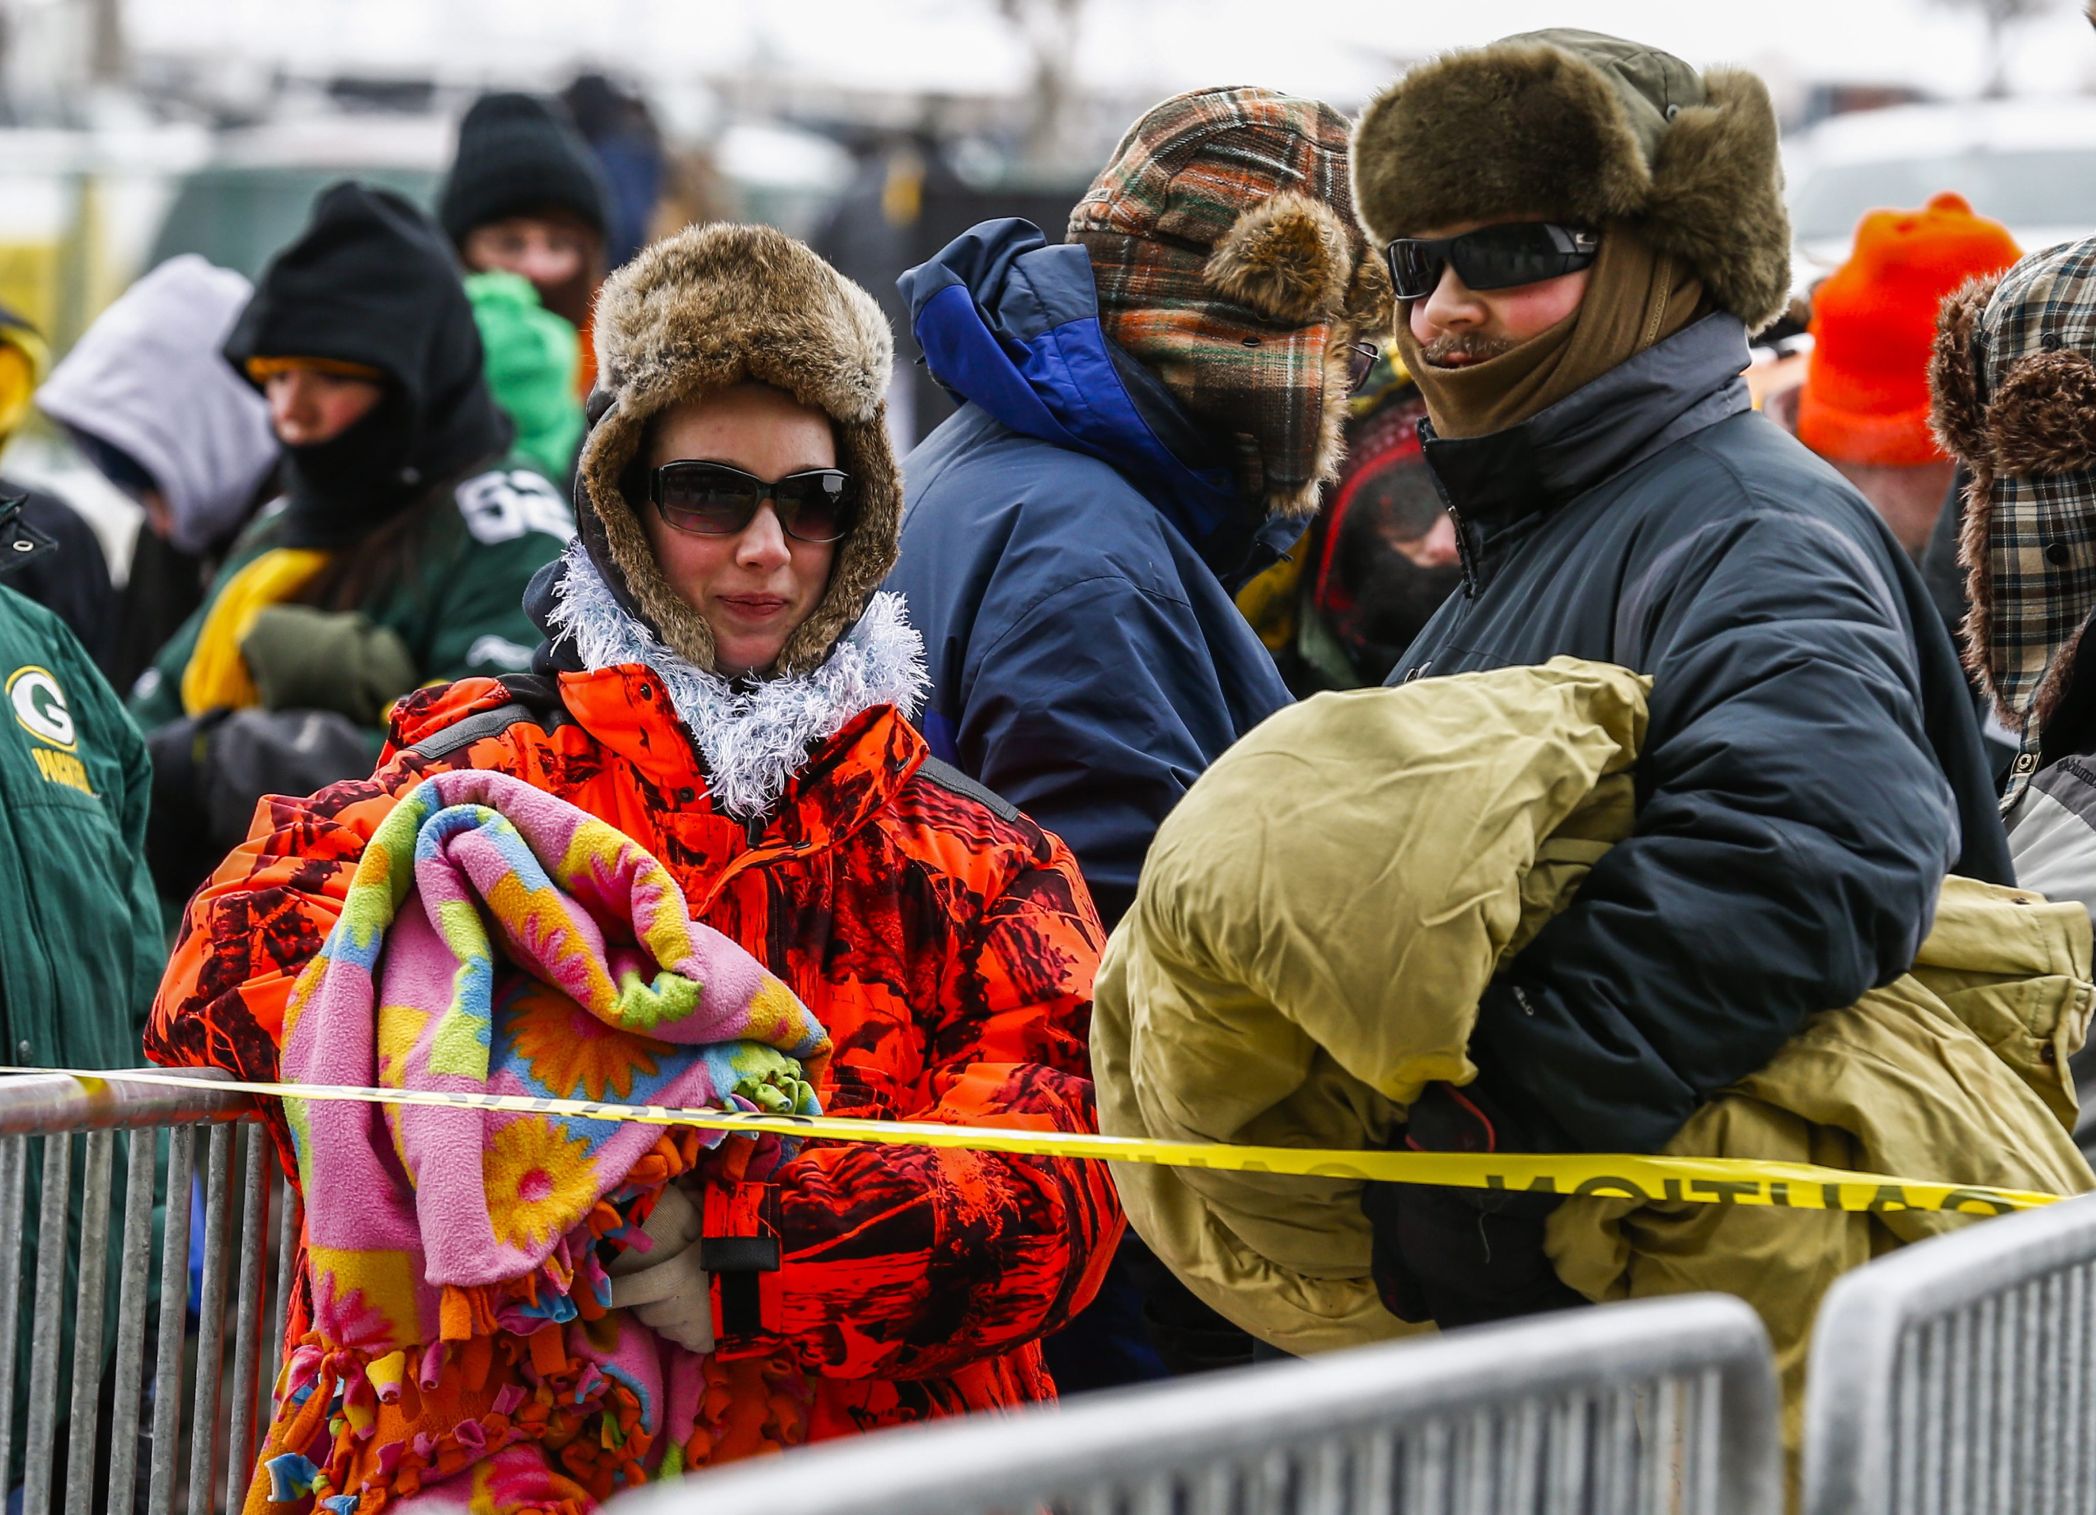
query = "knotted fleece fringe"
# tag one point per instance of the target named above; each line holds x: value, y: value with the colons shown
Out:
x: 498, y: 939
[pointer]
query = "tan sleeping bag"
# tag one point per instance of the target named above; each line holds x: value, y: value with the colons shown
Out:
x: 1317, y: 921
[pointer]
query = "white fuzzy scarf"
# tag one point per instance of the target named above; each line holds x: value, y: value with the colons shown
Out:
x: 755, y: 736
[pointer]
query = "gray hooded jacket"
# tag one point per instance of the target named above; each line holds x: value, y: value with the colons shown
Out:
x: 149, y: 379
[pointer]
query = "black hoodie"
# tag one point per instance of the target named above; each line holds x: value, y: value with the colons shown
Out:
x: 373, y: 282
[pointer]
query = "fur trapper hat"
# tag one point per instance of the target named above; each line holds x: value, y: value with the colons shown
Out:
x: 1228, y: 261
x: 711, y: 307
x: 1591, y: 130
x: 2013, y: 385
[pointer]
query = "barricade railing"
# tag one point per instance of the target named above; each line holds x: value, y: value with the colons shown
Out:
x: 1958, y: 1377
x: 139, y: 1406
x: 1660, y: 1407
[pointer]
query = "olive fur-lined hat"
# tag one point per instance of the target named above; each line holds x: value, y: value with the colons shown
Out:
x: 2013, y: 389
x: 1589, y: 130
x: 711, y: 307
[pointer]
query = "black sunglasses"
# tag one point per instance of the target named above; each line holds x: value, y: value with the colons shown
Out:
x: 1492, y: 257
x: 1360, y: 363
x: 717, y: 500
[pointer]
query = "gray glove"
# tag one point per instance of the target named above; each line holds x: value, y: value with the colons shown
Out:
x: 665, y: 1287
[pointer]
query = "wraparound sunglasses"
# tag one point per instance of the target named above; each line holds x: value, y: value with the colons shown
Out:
x: 1491, y: 257
x: 719, y: 500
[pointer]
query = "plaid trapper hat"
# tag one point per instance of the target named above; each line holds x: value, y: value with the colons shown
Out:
x: 1227, y: 258
x: 2013, y: 380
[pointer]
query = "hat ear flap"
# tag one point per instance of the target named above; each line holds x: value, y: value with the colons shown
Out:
x: 1289, y: 258
x: 1716, y: 199
x: 1956, y: 414
x: 2043, y: 416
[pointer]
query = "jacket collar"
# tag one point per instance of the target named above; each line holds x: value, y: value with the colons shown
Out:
x: 840, y: 784
x: 1011, y: 322
x: 753, y: 737
x: 1673, y: 389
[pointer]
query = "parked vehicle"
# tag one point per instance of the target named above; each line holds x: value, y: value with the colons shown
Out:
x: 2030, y: 164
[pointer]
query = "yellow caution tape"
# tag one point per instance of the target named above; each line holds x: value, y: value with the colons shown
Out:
x: 1670, y: 1180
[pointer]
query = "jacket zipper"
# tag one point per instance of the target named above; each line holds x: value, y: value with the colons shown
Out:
x: 1463, y: 556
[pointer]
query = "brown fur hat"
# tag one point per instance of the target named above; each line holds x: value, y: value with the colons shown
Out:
x: 2012, y: 382
x: 720, y: 305
x: 1587, y: 129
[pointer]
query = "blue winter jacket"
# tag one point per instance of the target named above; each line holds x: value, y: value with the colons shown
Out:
x: 1069, y: 544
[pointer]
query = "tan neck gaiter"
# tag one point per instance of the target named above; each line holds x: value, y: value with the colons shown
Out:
x: 1635, y: 297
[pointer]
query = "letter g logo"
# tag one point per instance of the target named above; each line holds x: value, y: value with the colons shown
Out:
x: 39, y: 706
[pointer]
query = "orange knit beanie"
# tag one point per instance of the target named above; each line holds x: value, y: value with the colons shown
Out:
x: 1866, y: 394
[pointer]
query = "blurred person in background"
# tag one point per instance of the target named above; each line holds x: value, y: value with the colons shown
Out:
x: 534, y: 358
x: 1864, y: 405
x: 399, y: 554
x: 1148, y: 414
x: 1777, y: 362
x: 48, y: 552
x: 526, y: 196
x: 1582, y: 231
x: 876, y: 229
x: 1376, y: 563
x: 148, y: 399
x: 621, y: 131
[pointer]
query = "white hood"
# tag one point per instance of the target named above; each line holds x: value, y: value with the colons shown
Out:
x: 148, y: 379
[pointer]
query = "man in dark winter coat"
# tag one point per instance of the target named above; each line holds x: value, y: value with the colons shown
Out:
x: 1582, y: 232
x: 1149, y: 413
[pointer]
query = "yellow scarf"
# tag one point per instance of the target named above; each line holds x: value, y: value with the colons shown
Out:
x: 217, y: 675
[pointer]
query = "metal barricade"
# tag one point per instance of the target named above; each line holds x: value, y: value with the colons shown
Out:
x: 150, y: 1413
x: 1959, y: 1376
x: 1661, y: 1407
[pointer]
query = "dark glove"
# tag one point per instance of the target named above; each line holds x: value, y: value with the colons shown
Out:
x: 180, y: 848
x: 1460, y: 1257
x: 333, y: 660
x: 210, y: 769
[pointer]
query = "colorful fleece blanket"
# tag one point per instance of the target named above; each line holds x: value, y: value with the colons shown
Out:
x: 498, y: 939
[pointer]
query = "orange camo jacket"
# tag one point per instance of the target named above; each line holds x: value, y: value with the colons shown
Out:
x: 949, y: 950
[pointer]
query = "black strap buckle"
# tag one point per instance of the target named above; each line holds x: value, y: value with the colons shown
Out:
x: 735, y: 1262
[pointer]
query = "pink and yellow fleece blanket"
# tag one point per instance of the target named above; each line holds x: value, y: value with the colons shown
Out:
x: 498, y: 939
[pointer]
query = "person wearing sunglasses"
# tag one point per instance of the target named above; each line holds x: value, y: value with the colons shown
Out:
x: 721, y: 680
x: 1581, y: 232
x: 1151, y: 409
